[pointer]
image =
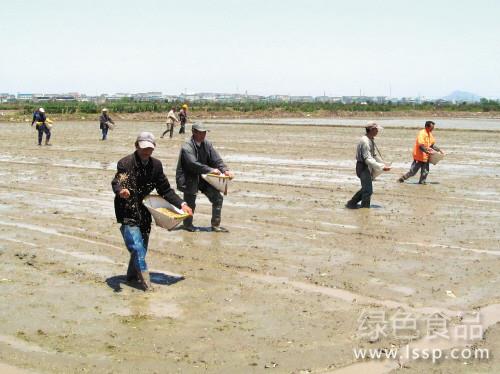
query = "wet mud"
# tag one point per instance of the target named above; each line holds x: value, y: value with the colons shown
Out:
x: 282, y: 291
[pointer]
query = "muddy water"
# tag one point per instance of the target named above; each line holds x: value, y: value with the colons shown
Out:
x: 284, y: 289
x: 445, y: 123
x: 8, y: 369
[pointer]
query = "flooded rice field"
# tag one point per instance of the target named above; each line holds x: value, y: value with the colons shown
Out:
x: 284, y: 291
x: 492, y: 124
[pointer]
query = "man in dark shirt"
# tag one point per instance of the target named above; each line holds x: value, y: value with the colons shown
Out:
x: 104, y: 122
x: 137, y: 175
x: 198, y: 156
x: 183, y: 118
x: 40, y: 119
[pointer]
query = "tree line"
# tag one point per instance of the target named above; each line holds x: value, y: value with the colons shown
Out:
x: 131, y: 106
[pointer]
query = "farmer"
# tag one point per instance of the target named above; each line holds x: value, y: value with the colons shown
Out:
x: 424, y: 146
x: 198, y: 156
x: 183, y: 118
x: 366, y: 161
x: 171, y: 121
x: 40, y: 119
x: 104, y: 121
x: 137, y: 175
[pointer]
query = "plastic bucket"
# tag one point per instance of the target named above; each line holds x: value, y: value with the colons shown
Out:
x: 376, y: 171
x: 155, y: 202
x: 435, y: 157
x: 220, y: 182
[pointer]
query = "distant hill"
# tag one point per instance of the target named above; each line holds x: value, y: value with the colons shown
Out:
x: 462, y: 96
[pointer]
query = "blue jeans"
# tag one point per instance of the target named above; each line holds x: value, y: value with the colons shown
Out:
x: 136, y: 242
x: 104, y: 132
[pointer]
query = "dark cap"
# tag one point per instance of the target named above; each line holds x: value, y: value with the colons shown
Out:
x: 198, y: 126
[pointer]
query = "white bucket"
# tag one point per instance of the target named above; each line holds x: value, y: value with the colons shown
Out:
x: 376, y: 171
x: 435, y: 157
x: 110, y: 125
x: 220, y: 182
x: 153, y: 202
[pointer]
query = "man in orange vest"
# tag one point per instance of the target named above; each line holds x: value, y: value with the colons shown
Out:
x: 424, y: 146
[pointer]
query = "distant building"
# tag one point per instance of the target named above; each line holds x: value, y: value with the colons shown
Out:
x: 357, y: 99
x: 379, y: 99
x: 279, y: 98
x: 148, y: 96
x: 410, y: 100
x: 155, y: 96
x: 172, y: 98
x: 67, y: 97
x: 7, y: 98
x: 327, y: 99
x: 302, y: 99
x: 24, y: 96
x: 226, y: 98
x: 254, y: 98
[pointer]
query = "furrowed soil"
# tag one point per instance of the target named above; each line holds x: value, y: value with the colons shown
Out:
x: 282, y: 292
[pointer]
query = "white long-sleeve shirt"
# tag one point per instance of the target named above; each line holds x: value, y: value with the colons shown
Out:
x: 365, y: 152
x: 171, y: 117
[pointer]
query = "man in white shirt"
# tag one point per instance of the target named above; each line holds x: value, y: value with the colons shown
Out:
x: 367, y: 161
x: 171, y: 121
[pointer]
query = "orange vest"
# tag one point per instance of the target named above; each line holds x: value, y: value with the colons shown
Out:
x: 426, y: 139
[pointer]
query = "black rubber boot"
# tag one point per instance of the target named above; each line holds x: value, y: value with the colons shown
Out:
x: 351, y: 205
x: 365, y: 203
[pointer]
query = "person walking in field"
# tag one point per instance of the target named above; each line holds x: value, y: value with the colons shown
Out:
x: 183, y: 118
x: 137, y: 175
x: 198, y: 156
x: 423, y: 148
x: 367, y: 161
x: 171, y: 121
x: 105, y: 122
x: 40, y: 119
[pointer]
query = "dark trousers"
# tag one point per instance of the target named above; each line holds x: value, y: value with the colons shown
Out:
x: 170, y: 128
x: 43, y: 129
x: 105, y: 132
x: 213, y: 195
x: 366, y: 191
x: 182, y: 130
x: 415, y: 167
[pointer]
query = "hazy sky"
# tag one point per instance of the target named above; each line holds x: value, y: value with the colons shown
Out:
x: 297, y: 47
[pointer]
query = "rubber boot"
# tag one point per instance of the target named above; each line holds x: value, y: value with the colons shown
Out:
x: 351, y: 205
x: 365, y: 203
x: 145, y: 280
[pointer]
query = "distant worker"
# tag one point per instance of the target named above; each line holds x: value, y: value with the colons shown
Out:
x: 40, y: 119
x: 137, y: 175
x: 171, y: 121
x: 105, y: 122
x: 424, y: 147
x: 367, y: 160
x: 198, y: 156
x: 183, y: 118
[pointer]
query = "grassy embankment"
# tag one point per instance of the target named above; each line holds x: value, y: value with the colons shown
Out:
x: 128, y: 109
